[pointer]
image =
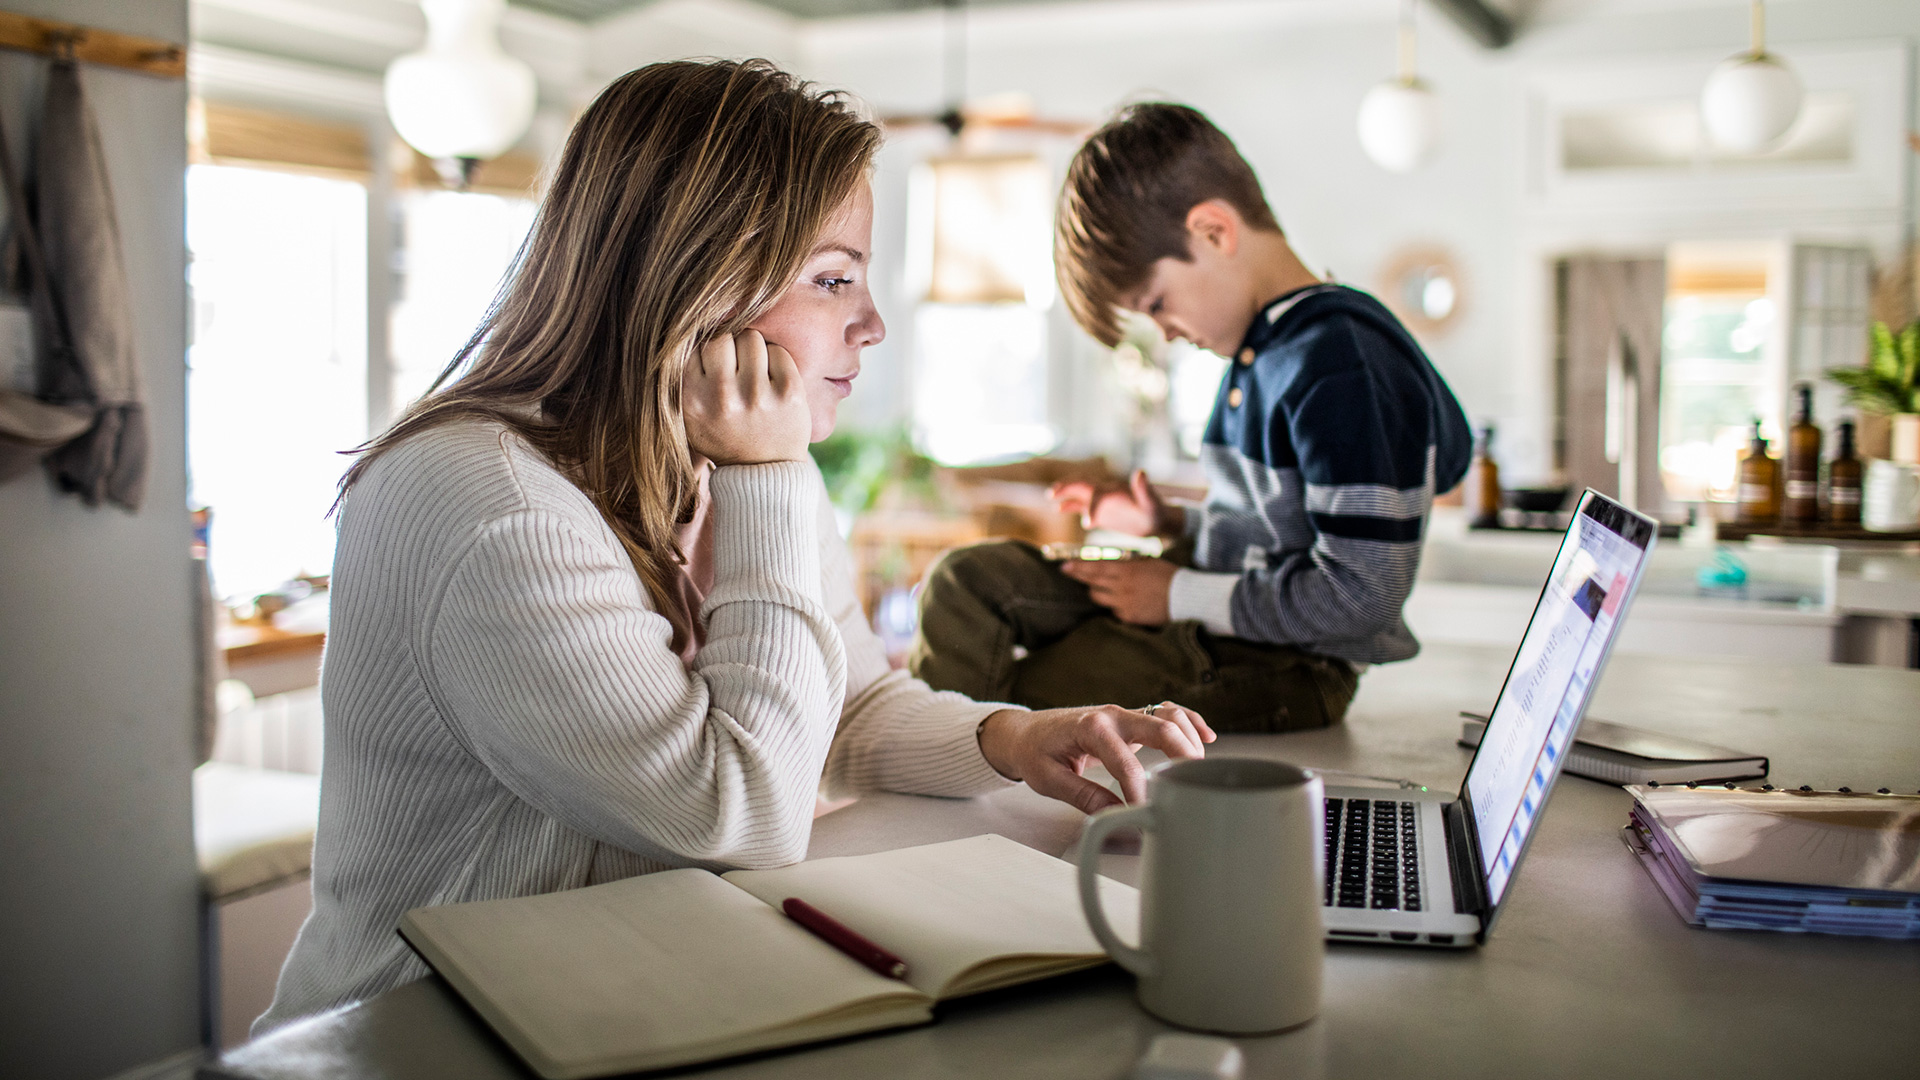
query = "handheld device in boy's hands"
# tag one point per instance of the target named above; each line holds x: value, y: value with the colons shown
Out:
x: 1071, y: 552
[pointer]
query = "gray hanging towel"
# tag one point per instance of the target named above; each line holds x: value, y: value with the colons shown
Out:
x: 30, y: 425
x: 80, y: 240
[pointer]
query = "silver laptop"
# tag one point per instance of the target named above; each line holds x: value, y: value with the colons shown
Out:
x: 1419, y: 868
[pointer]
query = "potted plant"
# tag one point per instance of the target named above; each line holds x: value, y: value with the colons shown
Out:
x: 1890, y: 384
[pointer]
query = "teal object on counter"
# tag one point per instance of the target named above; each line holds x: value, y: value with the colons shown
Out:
x: 1725, y: 572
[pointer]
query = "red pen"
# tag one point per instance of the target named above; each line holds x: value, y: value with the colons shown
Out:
x: 837, y: 934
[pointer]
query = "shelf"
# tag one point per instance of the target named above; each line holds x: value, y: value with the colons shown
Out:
x: 1733, y: 530
x: 50, y: 37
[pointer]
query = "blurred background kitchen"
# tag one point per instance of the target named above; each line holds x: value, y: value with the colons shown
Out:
x: 1638, y: 237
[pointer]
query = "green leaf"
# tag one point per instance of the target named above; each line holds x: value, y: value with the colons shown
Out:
x: 1884, y: 358
x: 1910, y: 354
x: 1867, y: 390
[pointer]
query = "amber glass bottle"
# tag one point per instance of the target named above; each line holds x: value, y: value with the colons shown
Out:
x: 1482, y: 494
x: 1802, y: 503
x: 1843, y: 481
x: 1759, y: 475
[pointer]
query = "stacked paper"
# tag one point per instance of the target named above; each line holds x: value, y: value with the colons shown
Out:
x: 1805, y: 861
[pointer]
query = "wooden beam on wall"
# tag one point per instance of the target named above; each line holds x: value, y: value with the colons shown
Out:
x: 222, y: 134
x: 47, y: 36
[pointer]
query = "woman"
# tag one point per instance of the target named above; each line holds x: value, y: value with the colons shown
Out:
x: 591, y: 618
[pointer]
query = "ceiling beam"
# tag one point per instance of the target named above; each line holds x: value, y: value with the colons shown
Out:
x: 1492, y: 29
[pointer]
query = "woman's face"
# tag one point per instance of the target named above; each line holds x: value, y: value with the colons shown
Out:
x: 827, y: 316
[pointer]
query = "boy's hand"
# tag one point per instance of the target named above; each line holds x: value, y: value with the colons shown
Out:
x: 742, y: 403
x: 1133, y: 509
x: 1051, y: 749
x: 1135, y: 590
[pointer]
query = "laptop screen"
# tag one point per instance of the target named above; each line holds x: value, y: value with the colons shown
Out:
x: 1534, y: 721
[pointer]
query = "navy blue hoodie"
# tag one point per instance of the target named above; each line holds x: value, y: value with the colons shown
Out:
x: 1331, y: 435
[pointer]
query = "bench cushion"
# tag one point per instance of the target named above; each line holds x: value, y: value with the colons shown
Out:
x: 253, y: 828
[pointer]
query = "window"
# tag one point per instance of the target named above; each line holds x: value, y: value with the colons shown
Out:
x: 1195, y: 387
x: 980, y: 382
x: 1721, y: 362
x: 990, y: 230
x: 979, y: 235
x: 454, y: 250
x: 1713, y: 384
x: 277, y: 368
x: 1744, y: 321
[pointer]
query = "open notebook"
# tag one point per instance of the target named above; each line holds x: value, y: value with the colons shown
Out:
x: 684, y: 966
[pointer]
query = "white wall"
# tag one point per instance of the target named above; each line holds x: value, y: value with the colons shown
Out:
x: 98, y: 887
x: 1285, y: 80
x: 1284, y: 77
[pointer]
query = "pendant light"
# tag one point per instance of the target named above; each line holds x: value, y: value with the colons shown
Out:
x: 1751, y: 99
x: 462, y: 99
x: 1400, y: 118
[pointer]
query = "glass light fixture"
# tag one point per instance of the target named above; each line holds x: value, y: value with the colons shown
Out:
x: 1751, y: 99
x: 1399, y: 119
x: 462, y: 99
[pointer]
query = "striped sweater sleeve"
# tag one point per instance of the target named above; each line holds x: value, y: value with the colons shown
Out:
x: 552, y: 669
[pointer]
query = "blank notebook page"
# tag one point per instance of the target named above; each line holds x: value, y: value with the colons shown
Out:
x: 673, y: 959
x: 948, y: 908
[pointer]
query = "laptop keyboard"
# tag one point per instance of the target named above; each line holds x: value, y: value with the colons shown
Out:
x: 1373, y: 857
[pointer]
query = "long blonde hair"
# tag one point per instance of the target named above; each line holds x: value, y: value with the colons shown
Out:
x: 686, y: 200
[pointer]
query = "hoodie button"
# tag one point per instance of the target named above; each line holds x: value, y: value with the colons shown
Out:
x: 1246, y: 356
x: 1233, y: 398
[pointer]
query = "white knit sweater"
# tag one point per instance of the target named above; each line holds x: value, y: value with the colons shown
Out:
x: 505, y: 714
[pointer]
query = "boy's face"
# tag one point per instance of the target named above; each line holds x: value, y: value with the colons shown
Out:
x: 1204, y: 297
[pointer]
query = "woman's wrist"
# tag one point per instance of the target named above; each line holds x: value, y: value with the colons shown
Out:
x: 995, y: 735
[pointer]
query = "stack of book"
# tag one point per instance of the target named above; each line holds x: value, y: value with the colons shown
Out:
x: 1762, y: 858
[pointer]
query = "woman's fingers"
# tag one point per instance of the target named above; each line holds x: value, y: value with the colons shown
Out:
x: 1052, y: 748
x: 1190, y: 723
x: 782, y: 373
x: 750, y: 366
x: 1161, y: 733
x: 743, y: 404
x: 1102, y: 737
x: 1060, y: 780
x: 714, y: 357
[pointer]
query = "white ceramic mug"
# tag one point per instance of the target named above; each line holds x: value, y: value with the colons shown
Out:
x: 1231, y: 934
x: 1891, y: 501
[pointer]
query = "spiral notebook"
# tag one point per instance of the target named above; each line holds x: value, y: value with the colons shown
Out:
x: 1618, y: 754
x: 1765, y: 858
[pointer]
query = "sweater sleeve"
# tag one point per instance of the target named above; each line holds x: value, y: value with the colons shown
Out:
x: 896, y: 732
x: 552, y: 668
x: 1366, y: 466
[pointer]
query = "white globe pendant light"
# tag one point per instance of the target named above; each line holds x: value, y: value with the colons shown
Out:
x: 462, y: 98
x: 1751, y: 99
x: 1399, y: 119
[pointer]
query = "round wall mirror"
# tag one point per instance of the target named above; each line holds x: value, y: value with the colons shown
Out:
x: 1425, y: 288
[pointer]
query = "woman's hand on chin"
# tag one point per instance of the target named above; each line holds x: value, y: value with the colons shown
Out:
x: 1050, y: 749
x: 742, y: 402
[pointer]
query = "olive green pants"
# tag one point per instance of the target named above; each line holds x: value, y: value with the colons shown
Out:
x: 998, y: 622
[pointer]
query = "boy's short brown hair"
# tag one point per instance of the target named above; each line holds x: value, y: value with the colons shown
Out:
x: 1126, y: 199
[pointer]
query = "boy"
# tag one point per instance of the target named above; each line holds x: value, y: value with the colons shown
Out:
x: 1330, y: 437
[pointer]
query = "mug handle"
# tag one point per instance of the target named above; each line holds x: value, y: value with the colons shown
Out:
x: 1135, y: 960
